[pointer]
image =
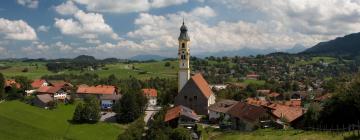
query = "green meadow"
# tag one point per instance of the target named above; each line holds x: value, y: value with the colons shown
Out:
x: 268, y: 134
x: 120, y: 70
x: 20, y: 121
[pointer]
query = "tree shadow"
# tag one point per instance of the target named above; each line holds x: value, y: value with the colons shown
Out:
x: 76, y: 122
x: 352, y: 137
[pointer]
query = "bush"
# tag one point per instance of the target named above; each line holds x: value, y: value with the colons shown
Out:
x: 167, y: 64
x: 180, y: 133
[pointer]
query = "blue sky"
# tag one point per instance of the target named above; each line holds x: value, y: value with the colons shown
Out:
x: 124, y: 28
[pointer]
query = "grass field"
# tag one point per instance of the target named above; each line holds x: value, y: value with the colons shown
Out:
x: 120, y: 70
x: 256, y: 82
x: 268, y: 134
x: 20, y: 121
x: 313, y: 60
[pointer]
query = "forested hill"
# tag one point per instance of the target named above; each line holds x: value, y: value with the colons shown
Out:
x: 348, y: 45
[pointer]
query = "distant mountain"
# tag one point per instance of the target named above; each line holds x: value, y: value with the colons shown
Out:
x: 145, y: 57
x: 348, y: 45
x: 296, y: 49
x: 240, y: 52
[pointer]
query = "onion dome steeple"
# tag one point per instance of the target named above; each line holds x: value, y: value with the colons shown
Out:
x: 183, y: 33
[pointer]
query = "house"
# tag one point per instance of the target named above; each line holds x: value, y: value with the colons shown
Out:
x: 196, y: 94
x: 108, y: 95
x: 60, y: 83
x: 286, y: 115
x: 252, y: 76
x: 151, y: 95
x: 42, y: 100
x: 247, y: 117
x: 275, y: 96
x: 10, y: 83
x: 36, y: 84
x: 220, y: 109
x: 257, y: 101
x: 293, y: 103
x: 263, y: 92
x: 181, y: 115
x: 39, y: 83
x: 218, y: 87
x: 56, y: 92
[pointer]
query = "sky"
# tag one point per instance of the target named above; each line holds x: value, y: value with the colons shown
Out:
x: 125, y: 28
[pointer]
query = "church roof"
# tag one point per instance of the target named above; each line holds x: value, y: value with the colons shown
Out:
x: 201, y: 84
x: 183, y: 33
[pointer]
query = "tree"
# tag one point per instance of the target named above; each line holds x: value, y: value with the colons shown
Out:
x: 87, y: 112
x: 312, y: 115
x: 77, y: 117
x: 135, y: 131
x: 127, y: 109
x: 2, y: 86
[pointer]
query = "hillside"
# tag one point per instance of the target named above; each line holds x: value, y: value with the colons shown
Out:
x: 24, y: 122
x: 348, y: 45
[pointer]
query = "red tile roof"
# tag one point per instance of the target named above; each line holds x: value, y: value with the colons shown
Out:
x: 60, y: 83
x: 38, y: 83
x: 256, y: 102
x: 100, y: 89
x: 248, y: 112
x: 295, y: 103
x: 178, y: 111
x: 274, y: 94
x: 10, y: 82
x: 48, y: 89
x: 288, y: 112
x: 202, y: 85
x: 150, y: 92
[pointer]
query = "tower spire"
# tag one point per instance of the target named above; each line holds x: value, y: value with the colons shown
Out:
x: 183, y: 20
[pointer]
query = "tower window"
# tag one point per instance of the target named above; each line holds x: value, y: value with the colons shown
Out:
x: 183, y: 45
x: 195, y: 98
x: 185, y: 97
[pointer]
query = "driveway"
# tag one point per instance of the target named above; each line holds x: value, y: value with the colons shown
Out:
x: 108, y: 116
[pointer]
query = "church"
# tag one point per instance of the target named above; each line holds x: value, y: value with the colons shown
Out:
x: 194, y: 92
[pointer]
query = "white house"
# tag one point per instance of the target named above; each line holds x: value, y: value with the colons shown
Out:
x: 151, y: 95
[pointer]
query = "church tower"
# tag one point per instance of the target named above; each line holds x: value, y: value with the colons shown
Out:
x: 184, y: 57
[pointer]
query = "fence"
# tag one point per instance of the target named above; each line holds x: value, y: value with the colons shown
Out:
x: 353, y: 129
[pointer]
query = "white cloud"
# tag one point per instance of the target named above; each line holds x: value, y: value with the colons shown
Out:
x: 160, y: 32
x: 67, y: 8
x: 127, y: 6
x: 85, y: 25
x: 43, y: 28
x: 29, y: 3
x: 2, y: 50
x: 319, y: 17
x: 62, y: 46
x: 17, y: 30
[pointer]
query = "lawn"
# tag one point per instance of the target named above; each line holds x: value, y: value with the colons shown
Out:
x: 314, y: 60
x: 120, y: 70
x: 20, y: 121
x: 256, y: 82
x: 268, y: 134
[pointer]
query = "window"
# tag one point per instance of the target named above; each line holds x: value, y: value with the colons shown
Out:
x: 183, y: 45
x: 195, y: 98
x: 185, y: 97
